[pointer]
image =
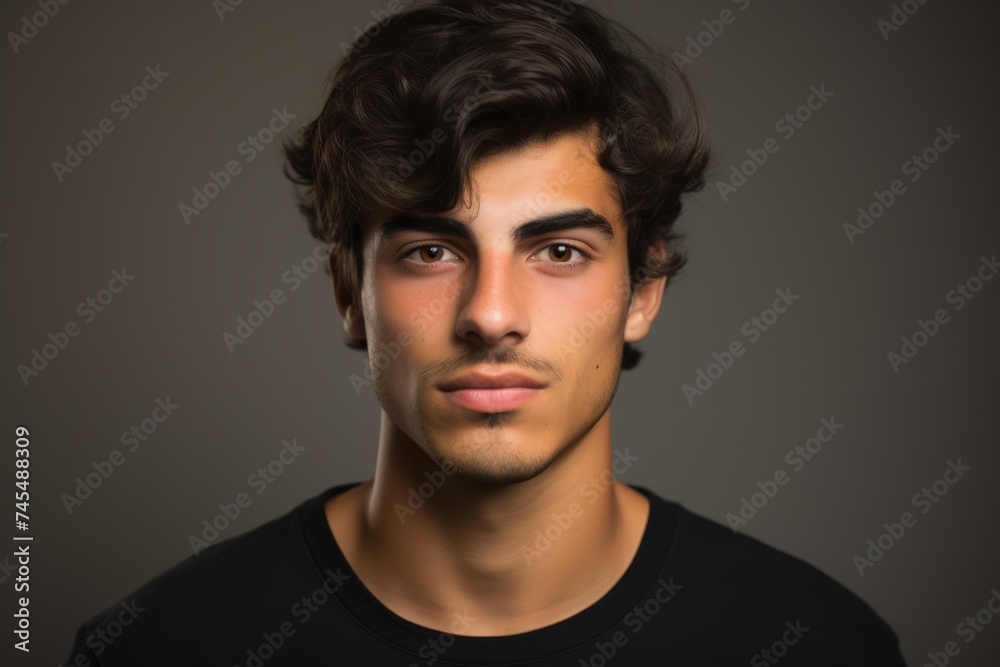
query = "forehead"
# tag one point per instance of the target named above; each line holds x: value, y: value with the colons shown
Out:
x: 532, y: 181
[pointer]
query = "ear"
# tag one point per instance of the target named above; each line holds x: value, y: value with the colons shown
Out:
x: 348, y: 302
x: 643, y: 309
x: 645, y: 304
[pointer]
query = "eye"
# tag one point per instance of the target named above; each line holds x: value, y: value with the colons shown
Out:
x: 427, y: 254
x: 562, y: 254
x: 559, y: 255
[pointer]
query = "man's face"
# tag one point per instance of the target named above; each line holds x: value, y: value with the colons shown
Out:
x: 550, y: 305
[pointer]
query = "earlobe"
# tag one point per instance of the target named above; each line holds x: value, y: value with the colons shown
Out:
x: 644, y: 307
x: 354, y: 323
x: 347, y: 301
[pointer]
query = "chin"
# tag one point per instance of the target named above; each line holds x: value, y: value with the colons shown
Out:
x: 493, y: 457
x: 494, y: 473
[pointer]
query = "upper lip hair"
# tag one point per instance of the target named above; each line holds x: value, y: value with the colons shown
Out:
x: 481, y: 380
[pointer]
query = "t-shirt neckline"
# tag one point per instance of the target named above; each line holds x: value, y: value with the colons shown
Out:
x: 583, y: 628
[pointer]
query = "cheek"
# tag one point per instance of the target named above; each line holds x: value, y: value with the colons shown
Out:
x: 405, y: 314
x: 584, y: 326
x: 390, y: 304
x: 389, y: 337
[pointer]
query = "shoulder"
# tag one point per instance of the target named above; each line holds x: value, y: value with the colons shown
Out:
x: 760, y: 595
x: 231, y: 585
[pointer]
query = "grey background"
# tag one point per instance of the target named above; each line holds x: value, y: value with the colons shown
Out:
x: 162, y: 336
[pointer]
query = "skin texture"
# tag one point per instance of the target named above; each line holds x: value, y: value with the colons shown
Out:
x: 472, y: 547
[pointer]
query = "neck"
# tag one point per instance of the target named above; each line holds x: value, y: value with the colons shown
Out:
x: 431, y: 544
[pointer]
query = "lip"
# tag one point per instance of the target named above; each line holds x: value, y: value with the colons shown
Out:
x: 481, y: 380
x: 492, y: 392
x: 500, y: 399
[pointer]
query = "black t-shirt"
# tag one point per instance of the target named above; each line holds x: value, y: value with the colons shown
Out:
x: 283, y: 594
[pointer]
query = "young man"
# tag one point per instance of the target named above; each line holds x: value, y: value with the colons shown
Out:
x: 498, y: 181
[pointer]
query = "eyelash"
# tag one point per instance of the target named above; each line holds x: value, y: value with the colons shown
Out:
x: 421, y: 266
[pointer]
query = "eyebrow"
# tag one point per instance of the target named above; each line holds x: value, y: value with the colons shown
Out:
x: 583, y: 218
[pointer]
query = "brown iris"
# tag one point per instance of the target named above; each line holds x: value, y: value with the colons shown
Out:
x: 568, y: 252
x: 426, y: 254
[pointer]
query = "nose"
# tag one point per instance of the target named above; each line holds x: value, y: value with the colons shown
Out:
x: 493, y: 308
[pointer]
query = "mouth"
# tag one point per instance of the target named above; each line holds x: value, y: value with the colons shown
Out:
x: 492, y: 392
x: 492, y: 399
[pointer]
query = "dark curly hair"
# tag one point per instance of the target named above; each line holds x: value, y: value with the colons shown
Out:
x: 480, y: 77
